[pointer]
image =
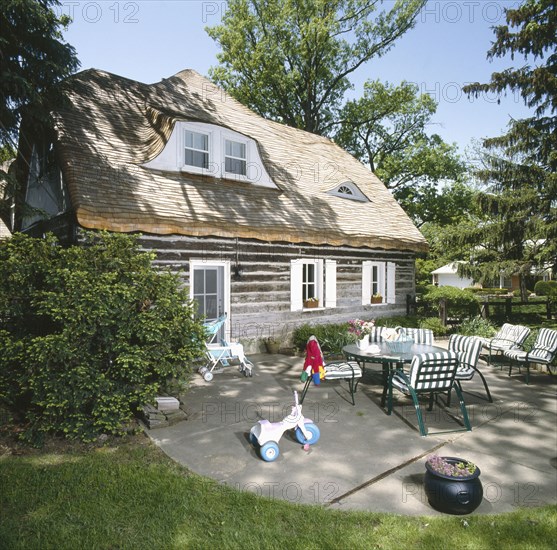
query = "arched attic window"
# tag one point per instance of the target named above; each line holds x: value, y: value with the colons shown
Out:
x: 348, y: 190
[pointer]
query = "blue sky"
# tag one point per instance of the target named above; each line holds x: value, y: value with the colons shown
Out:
x: 148, y: 40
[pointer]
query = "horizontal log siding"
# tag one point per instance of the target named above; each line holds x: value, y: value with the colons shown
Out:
x: 260, y: 300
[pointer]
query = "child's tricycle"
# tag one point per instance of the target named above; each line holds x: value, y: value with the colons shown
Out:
x: 266, y: 435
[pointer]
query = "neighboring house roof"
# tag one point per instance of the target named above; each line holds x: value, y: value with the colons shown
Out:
x: 115, y: 125
x: 4, y: 231
x: 449, y: 269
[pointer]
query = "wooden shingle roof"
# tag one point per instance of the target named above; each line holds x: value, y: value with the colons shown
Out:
x: 114, y: 125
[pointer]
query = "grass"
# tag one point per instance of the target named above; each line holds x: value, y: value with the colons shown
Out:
x: 133, y: 496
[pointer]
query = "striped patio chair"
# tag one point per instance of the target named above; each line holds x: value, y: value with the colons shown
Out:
x: 377, y: 335
x: 543, y: 352
x: 468, y: 349
x: 420, y: 335
x: 430, y: 373
x: 509, y: 337
x: 339, y: 370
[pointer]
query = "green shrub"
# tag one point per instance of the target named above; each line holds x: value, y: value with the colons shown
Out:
x: 332, y: 337
x: 516, y: 293
x: 301, y: 335
x: 435, y: 324
x: 487, y: 290
x: 546, y: 288
x: 89, y: 333
x: 461, y: 303
x: 477, y: 326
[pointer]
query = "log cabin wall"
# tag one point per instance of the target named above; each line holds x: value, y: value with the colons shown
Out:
x: 260, y: 298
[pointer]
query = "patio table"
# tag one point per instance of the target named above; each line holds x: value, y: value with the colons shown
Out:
x: 386, y: 358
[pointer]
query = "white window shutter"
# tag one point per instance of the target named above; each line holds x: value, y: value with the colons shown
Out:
x: 296, y: 275
x: 330, y: 283
x: 391, y: 289
x: 319, y: 287
x: 366, y: 283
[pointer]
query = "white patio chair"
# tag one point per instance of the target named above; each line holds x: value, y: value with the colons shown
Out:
x: 421, y: 335
x: 543, y: 352
x: 430, y: 373
x: 507, y: 338
x: 467, y: 349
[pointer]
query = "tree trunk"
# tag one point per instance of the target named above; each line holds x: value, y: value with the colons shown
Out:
x: 523, y: 290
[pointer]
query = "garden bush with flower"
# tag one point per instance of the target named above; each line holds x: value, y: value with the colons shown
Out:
x: 359, y: 328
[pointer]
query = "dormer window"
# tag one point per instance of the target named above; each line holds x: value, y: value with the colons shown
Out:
x: 348, y: 190
x: 235, y: 159
x: 345, y: 190
x: 213, y: 151
x: 196, y: 149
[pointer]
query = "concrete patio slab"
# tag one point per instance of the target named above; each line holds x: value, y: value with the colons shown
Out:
x: 365, y: 459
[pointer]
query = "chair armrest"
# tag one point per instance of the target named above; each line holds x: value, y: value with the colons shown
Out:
x: 502, y: 343
x: 402, y: 375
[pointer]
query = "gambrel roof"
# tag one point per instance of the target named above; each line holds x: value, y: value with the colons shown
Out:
x: 114, y: 126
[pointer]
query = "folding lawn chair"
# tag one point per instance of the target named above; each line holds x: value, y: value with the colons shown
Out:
x: 220, y: 351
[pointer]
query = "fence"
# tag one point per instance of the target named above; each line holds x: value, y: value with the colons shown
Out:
x: 489, y: 306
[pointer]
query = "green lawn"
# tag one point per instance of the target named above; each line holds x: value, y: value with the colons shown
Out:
x: 132, y: 496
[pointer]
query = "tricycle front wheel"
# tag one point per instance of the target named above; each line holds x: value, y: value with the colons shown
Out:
x: 314, y: 434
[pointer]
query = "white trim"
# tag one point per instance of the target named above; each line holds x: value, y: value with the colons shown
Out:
x: 390, y: 280
x: 366, y: 283
x: 296, y: 302
x: 330, y: 283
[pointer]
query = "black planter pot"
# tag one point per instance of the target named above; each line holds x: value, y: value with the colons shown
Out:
x: 453, y: 495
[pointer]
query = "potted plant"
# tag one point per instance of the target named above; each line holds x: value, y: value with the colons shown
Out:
x: 272, y: 344
x: 311, y: 302
x: 452, y: 484
x: 376, y: 298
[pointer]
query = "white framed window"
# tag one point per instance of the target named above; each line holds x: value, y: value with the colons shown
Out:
x: 312, y: 279
x: 213, y: 151
x: 235, y: 157
x: 378, y: 279
x: 196, y: 149
x: 309, y: 281
x: 348, y: 190
x: 345, y: 190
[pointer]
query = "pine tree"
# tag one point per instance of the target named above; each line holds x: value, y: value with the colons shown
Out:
x: 518, y: 230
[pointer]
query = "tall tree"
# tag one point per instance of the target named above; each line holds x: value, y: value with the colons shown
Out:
x: 387, y: 130
x: 290, y: 60
x: 519, y: 169
x: 33, y: 59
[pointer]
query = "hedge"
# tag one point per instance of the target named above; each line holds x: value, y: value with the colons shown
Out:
x: 88, y: 333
